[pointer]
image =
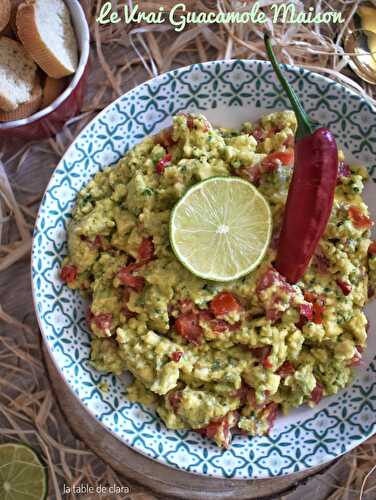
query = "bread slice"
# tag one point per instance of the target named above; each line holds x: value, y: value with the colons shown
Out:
x: 26, y: 109
x: 4, y: 14
x: 14, y: 4
x: 45, y: 29
x: 52, y: 88
x: 17, y: 74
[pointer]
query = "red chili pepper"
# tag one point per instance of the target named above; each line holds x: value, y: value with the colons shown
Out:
x: 224, y: 303
x: 162, y: 164
x: 311, y: 193
x: 372, y: 248
x: 344, y: 286
x: 68, y: 273
x: 176, y: 356
x: 146, y: 250
x: 359, y: 219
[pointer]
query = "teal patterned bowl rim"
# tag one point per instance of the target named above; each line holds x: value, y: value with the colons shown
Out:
x: 228, y: 92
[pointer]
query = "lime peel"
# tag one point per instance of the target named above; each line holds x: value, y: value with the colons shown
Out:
x: 23, y: 476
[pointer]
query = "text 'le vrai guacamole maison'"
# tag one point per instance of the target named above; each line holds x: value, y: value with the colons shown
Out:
x: 180, y: 17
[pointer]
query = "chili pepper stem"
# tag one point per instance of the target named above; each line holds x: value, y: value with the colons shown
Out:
x: 305, y: 126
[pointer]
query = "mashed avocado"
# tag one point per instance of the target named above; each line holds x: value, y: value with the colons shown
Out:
x: 210, y: 357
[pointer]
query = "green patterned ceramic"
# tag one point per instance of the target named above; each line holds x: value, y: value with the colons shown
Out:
x: 228, y: 92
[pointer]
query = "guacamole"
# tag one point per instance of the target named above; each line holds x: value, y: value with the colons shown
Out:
x: 218, y: 358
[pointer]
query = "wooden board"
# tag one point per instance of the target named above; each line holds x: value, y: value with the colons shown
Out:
x: 168, y: 481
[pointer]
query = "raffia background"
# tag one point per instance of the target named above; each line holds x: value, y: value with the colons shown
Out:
x: 121, y: 57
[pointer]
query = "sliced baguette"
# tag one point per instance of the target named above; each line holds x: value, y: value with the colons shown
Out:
x: 52, y: 88
x: 4, y: 14
x: 13, y: 14
x: 17, y: 74
x: 27, y: 108
x: 45, y: 29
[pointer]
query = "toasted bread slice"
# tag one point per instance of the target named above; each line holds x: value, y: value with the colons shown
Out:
x: 45, y: 29
x: 52, y: 88
x: 4, y: 14
x: 14, y: 4
x: 26, y: 109
x: 17, y: 74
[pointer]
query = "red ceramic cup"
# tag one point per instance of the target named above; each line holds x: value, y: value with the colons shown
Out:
x: 50, y: 120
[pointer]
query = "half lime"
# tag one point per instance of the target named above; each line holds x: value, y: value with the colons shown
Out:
x: 220, y: 229
x: 22, y: 475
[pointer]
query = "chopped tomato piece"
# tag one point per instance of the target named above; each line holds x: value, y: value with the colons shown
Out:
x: 176, y: 356
x: 103, y: 321
x: 242, y: 392
x: 270, y: 412
x: 310, y: 296
x: 317, y: 306
x: 146, y: 250
x: 251, y: 174
x: 263, y: 353
x: 220, y: 427
x: 128, y: 313
x: 68, y: 273
x: 218, y: 325
x: 306, y: 310
x: 355, y: 360
x: 344, y: 286
x: 286, y: 369
x: 162, y: 164
x: 258, y: 134
x: 318, y: 311
x: 188, y: 327
x: 164, y: 138
x: 224, y: 303
x: 174, y: 399
x: 317, y: 393
x: 372, y: 248
x: 269, y: 278
x: 137, y: 283
x: 270, y: 163
x: 359, y: 220
x: 187, y: 305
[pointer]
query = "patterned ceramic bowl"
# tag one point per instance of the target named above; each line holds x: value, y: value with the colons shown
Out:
x: 50, y: 120
x: 228, y: 92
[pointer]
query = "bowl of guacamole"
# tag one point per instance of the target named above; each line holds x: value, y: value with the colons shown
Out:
x: 219, y: 366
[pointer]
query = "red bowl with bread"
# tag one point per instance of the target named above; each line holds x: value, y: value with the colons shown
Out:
x: 44, y: 53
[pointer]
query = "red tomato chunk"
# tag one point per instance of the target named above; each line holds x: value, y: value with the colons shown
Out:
x: 163, y: 163
x: 359, y: 220
x: 146, y: 250
x: 188, y: 327
x: 224, y: 303
x: 68, y: 273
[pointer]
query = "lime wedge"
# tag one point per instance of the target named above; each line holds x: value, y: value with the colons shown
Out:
x: 22, y: 475
x: 220, y: 229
